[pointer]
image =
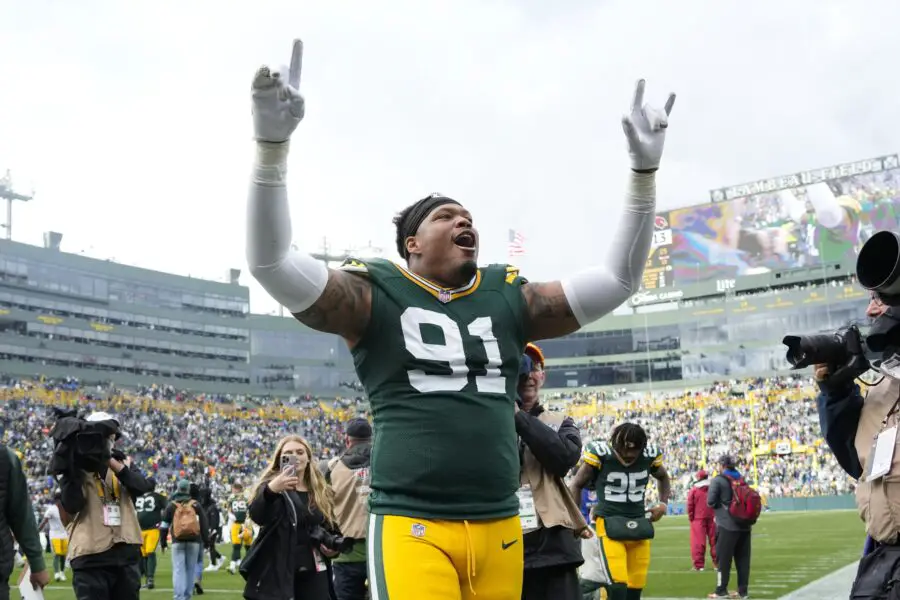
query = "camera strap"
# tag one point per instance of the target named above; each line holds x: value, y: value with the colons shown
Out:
x: 103, y: 488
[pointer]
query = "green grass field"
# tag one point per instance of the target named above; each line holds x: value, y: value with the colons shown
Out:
x: 789, y: 551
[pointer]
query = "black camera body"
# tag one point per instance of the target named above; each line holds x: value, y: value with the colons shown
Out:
x: 81, y: 445
x: 829, y: 349
x: 335, y: 543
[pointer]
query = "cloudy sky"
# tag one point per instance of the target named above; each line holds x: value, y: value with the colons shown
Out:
x: 131, y: 119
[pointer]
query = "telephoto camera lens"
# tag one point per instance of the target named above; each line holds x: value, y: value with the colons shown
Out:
x: 878, y: 266
x: 806, y: 350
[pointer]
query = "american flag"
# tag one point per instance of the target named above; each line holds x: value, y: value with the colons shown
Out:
x: 516, y: 245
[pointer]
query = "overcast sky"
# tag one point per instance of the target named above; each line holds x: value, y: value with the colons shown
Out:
x: 131, y: 119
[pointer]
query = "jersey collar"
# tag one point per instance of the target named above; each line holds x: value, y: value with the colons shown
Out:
x: 441, y: 293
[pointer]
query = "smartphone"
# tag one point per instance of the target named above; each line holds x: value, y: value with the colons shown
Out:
x: 288, y: 461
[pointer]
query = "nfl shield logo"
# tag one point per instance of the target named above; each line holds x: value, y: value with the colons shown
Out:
x: 418, y: 530
x: 444, y: 296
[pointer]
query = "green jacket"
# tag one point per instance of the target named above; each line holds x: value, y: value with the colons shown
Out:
x: 20, y: 515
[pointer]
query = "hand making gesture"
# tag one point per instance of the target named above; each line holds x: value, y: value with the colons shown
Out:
x: 277, y: 104
x: 645, y: 128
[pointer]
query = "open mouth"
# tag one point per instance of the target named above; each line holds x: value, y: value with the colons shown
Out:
x: 466, y: 240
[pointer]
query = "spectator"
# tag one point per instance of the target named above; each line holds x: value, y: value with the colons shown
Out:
x: 185, y: 518
x: 293, y: 505
x: 732, y: 538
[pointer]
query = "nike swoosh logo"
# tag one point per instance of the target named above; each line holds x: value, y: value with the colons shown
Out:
x: 505, y: 545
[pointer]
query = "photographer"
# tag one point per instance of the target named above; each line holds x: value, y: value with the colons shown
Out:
x: 858, y: 430
x: 552, y: 523
x: 294, y: 508
x: 348, y: 475
x: 99, y: 489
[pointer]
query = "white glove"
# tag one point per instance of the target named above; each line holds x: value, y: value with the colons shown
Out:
x: 277, y: 105
x: 645, y: 129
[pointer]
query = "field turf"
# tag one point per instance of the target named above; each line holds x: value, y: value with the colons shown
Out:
x: 789, y: 551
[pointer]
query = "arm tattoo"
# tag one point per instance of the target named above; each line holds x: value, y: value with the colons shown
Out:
x: 343, y: 308
x: 549, y: 313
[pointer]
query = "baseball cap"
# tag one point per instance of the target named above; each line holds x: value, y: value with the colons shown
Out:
x: 701, y: 475
x: 358, y: 428
x: 535, y: 352
x: 184, y: 487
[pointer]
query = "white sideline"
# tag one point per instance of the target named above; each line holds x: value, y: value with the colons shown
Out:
x: 834, y: 586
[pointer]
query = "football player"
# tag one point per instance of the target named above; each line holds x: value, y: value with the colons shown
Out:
x: 150, y: 509
x: 620, y: 471
x: 436, y: 343
x: 240, y: 530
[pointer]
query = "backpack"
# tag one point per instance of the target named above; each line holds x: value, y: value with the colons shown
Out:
x: 186, y: 522
x: 746, y: 504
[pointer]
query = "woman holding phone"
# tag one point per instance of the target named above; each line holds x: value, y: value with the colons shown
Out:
x: 294, y: 507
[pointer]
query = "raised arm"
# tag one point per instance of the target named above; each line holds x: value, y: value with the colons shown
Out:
x: 324, y: 299
x: 558, y: 308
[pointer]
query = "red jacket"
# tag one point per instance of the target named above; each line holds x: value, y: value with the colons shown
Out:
x: 697, y: 509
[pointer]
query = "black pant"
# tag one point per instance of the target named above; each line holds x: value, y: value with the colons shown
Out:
x: 311, y: 585
x: 107, y: 583
x: 551, y: 583
x: 4, y: 590
x: 733, y: 545
x: 350, y: 580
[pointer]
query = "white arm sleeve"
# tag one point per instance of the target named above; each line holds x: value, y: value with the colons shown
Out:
x: 294, y: 279
x: 599, y: 290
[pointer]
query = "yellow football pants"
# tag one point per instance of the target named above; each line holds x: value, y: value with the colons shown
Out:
x: 412, y: 559
x: 60, y: 546
x: 149, y: 541
x: 626, y: 562
x: 241, y: 533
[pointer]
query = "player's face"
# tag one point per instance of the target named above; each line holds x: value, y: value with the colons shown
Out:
x: 447, y: 244
x: 297, y: 449
x: 627, y: 456
x: 530, y: 387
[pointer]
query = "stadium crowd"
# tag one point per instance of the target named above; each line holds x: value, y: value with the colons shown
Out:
x: 218, y: 441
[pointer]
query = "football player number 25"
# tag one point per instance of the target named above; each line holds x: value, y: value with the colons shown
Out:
x: 451, y: 353
x: 626, y: 487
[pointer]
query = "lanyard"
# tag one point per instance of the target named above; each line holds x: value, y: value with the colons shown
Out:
x: 887, y: 417
x: 101, y: 488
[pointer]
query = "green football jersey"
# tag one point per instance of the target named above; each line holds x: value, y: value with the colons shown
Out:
x: 620, y: 488
x: 237, y: 506
x: 150, y: 508
x: 440, y: 368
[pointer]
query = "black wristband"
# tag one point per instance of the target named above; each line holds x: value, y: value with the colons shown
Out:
x: 646, y: 171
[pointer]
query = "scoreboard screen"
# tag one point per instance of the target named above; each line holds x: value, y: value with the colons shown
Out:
x: 658, y: 272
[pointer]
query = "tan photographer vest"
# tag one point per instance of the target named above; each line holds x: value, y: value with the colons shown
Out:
x: 552, y: 500
x: 351, y: 495
x: 87, y: 533
x: 879, y: 501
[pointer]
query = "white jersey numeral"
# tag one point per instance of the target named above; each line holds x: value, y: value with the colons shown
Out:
x: 626, y: 487
x: 451, y: 353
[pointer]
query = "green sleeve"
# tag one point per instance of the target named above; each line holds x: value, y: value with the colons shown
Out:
x: 20, y: 515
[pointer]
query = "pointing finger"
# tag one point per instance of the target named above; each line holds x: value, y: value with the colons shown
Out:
x: 670, y: 103
x: 296, y: 64
x: 638, y: 101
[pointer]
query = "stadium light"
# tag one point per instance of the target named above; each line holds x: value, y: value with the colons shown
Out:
x: 7, y: 193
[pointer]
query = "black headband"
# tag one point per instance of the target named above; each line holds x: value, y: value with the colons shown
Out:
x: 421, y: 209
